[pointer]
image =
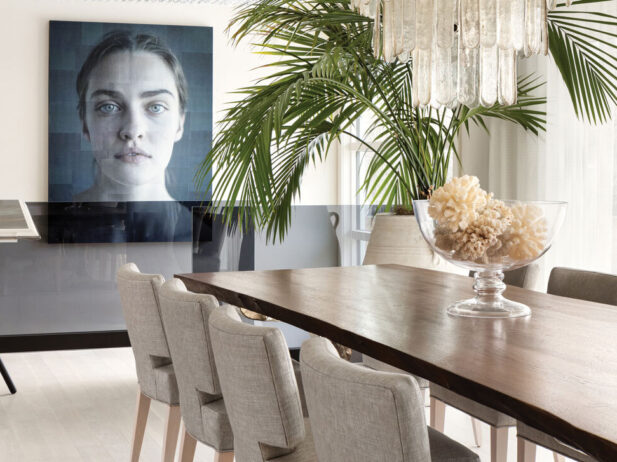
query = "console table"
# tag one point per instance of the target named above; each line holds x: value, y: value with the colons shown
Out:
x: 15, y: 223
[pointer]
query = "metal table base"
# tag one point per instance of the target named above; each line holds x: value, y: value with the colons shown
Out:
x: 7, y: 378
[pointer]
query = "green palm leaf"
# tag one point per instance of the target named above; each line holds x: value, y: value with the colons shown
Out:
x: 583, y: 45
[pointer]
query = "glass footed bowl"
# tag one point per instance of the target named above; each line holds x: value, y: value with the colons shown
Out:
x: 527, y: 239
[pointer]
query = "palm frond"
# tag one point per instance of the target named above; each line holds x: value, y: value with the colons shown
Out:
x: 583, y: 45
x: 323, y: 78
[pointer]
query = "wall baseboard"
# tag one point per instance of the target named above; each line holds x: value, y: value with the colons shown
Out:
x: 75, y: 341
x: 64, y: 341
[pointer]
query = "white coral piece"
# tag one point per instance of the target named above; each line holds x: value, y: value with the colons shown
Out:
x: 456, y: 204
x: 475, y: 227
x: 473, y: 242
x: 526, y: 237
x: 480, y: 236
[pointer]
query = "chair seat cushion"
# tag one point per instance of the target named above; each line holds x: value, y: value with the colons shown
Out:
x: 444, y: 449
x: 468, y: 406
x: 377, y: 365
x: 305, y: 451
x: 216, y: 426
x: 166, y: 385
x: 549, y: 442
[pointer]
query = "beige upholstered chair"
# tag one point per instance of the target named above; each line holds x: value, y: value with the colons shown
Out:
x: 527, y: 278
x: 584, y: 285
x: 361, y: 415
x: 260, y: 391
x: 185, y: 317
x: 155, y: 372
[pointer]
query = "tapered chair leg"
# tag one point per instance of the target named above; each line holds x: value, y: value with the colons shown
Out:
x: 438, y: 414
x: 558, y: 457
x: 224, y: 457
x: 141, y: 417
x: 525, y: 450
x: 499, y: 444
x: 172, y: 426
x: 187, y: 446
x: 477, y: 431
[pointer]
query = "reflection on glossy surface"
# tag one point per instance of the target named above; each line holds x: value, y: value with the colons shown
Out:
x: 50, y: 288
x: 111, y: 222
x: 47, y: 288
x: 71, y: 287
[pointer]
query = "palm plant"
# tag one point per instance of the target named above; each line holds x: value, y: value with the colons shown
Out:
x: 325, y: 77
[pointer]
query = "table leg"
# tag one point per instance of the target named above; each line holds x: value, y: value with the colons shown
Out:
x: 7, y: 378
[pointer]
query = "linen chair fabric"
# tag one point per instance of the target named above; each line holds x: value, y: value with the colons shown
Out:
x: 377, y: 365
x: 139, y: 298
x: 527, y: 277
x: 583, y: 285
x: 185, y: 318
x: 155, y: 372
x: 359, y: 414
x: 260, y: 392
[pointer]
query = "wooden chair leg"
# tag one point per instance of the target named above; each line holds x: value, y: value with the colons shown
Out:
x: 558, y: 457
x: 525, y: 450
x: 141, y: 417
x: 477, y: 431
x: 438, y: 414
x: 224, y: 457
x: 187, y: 446
x: 172, y: 426
x: 499, y: 444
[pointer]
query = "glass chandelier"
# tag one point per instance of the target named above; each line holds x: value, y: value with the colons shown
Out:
x: 463, y: 51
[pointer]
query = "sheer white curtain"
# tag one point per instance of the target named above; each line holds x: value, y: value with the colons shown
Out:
x: 572, y: 161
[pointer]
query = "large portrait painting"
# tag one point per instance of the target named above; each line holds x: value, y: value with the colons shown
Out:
x: 130, y: 118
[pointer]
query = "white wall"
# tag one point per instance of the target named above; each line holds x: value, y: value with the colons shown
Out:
x: 24, y: 31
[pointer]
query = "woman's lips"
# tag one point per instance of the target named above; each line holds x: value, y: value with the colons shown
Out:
x: 132, y: 157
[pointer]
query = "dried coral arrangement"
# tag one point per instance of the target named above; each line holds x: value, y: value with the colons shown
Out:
x: 473, y: 226
x: 470, y: 228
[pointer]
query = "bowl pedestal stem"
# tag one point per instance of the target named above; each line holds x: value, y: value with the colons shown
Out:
x: 488, y: 302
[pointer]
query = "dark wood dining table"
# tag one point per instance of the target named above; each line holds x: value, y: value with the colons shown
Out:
x: 555, y: 370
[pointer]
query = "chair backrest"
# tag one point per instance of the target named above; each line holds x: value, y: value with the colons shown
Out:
x: 259, y: 387
x: 139, y: 299
x: 185, y: 317
x: 584, y: 285
x: 526, y: 277
x: 340, y: 395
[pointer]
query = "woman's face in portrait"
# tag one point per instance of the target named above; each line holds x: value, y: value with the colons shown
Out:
x: 133, y: 116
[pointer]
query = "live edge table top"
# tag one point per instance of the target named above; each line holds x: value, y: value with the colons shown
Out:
x: 555, y: 370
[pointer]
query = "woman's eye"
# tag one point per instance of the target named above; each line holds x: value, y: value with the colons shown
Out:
x: 157, y: 108
x: 109, y: 108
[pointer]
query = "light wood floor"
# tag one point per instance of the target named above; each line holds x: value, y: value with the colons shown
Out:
x: 79, y: 406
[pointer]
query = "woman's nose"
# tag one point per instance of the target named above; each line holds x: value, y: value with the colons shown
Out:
x: 133, y: 127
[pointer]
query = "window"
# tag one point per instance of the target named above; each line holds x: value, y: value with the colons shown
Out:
x: 357, y: 216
